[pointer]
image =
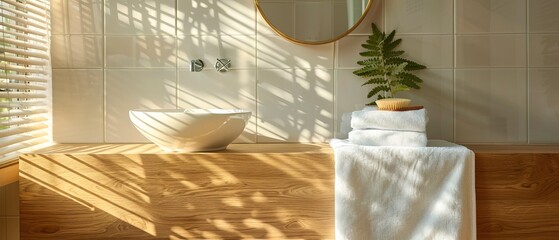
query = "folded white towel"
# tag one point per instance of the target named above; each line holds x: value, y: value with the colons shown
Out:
x: 404, y: 193
x: 413, y: 120
x: 376, y: 137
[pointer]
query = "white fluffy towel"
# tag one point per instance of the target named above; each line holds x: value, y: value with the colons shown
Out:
x: 375, y: 137
x: 404, y: 193
x: 413, y: 120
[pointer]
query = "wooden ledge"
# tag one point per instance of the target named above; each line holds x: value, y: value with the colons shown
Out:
x: 154, y: 149
x: 505, y: 149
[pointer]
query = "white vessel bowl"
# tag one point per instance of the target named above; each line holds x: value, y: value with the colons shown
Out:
x: 190, y: 130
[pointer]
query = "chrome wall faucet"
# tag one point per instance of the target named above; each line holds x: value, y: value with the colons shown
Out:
x: 196, y: 65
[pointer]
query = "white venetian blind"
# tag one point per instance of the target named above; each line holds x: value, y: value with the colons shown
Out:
x: 24, y: 76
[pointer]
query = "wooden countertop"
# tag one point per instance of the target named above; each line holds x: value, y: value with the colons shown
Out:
x: 263, y: 148
x: 154, y: 149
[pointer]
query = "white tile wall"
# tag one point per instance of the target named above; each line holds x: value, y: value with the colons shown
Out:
x: 295, y: 105
x: 498, y: 51
x: 140, y: 51
x: 217, y: 17
x: 78, y: 102
x: 129, y: 89
x: 145, y: 17
x: 491, y: 16
x: 241, y: 49
x: 544, y: 112
x: 491, y: 105
x: 76, y: 51
x: 76, y: 16
x: 507, y: 50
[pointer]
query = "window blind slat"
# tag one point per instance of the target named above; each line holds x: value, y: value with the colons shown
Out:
x: 21, y: 86
x: 40, y: 10
x: 8, y: 150
x: 25, y: 75
x: 23, y: 29
x: 21, y: 121
x: 23, y: 69
x: 31, y: 53
x: 7, y: 141
x: 16, y: 18
x: 25, y: 78
x: 26, y: 112
x: 21, y: 95
x: 24, y: 44
x: 28, y: 38
x: 23, y: 60
x: 22, y: 129
x: 22, y: 104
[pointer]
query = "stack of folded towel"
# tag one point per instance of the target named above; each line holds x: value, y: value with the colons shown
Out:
x: 372, y: 127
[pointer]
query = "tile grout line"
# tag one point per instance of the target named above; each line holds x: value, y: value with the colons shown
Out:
x: 104, y: 39
x: 454, y: 71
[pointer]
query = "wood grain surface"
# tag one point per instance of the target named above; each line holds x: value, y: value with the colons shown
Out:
x: 177, y: 196
x: 517, y: 195
x: 244, y: 192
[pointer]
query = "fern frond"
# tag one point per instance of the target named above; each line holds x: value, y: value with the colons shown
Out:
x: 392, y: 54
x: 412, y: 66
x: 409, y: 76
x: 371, y: 47
x: 368, y: 71
x: 378, y: 89
x: 370, y: 53
x: 391, y: 46
x: 370, y: 61
x: 408, y: 83
x: 377, y: 80
x: 388, y: 40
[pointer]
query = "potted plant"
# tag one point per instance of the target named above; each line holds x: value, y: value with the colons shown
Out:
x: 385, y: 69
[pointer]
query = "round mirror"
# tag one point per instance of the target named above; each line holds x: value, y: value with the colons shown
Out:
x: 313, y: 21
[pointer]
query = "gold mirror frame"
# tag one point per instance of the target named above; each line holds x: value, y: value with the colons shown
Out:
x: 291, y: 39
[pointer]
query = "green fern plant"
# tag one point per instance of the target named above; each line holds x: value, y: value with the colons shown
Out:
x: 384, y: 67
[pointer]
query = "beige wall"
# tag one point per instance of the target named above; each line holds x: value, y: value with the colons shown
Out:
x: 491, y: 77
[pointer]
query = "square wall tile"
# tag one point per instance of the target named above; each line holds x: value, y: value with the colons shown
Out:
x: 375, y: 15
x: 349, y: 96
x: 295, y: 105
x: 433, y: 51
x: 542, y: 102
x: 490, y: 16
x: 434, y: 16
x: 140, y: 51
x: 77, y: 106
x: 491, y: 106
x: 76, y: 16
x: 217, y: 17
x: 12, y: 228
x: 12, y: 199
x: 349, y: 48
x: 437, y: 96
x: 140, y: 17
x: 491, y: 51
x: 281, y: 16
x: 543, y: 16
x: 543, y: 50
x: 76, y: 51
x: 240, y: 49
x: 129, y: 89
x: 211, y: 89
x: 276, y: 52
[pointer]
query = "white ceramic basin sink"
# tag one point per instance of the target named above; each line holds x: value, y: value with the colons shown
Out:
x: 190, y: 130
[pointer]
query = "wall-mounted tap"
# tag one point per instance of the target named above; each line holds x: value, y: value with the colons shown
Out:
x: 196, y: 65
x: 222, y: 65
